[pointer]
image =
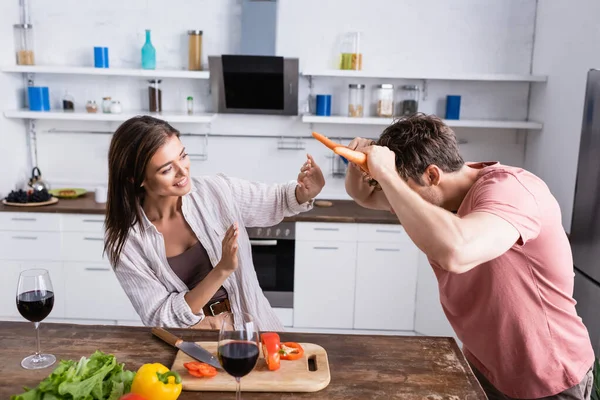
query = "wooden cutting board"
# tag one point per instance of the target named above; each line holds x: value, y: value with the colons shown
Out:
x: 293, y: 376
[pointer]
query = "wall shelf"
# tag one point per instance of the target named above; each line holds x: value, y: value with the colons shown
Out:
x: 438, y: 77
x: 174, y: 117
x: 140, y: 73
x: 461, y: 123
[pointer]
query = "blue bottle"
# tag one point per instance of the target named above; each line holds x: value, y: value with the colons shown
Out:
x: 148, y: 53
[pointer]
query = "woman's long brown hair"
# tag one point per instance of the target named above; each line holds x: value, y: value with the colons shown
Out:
x: 131, y: 148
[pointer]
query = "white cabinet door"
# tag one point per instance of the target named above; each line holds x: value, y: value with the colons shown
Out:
x: 55, y: 270
x: 324, y: 278
x: 386, y: 283
x: 93, y: 292
x: 9, y: 271
x: 429, y: 317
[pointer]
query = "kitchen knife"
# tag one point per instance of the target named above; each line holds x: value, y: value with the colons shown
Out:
x: 189, y: 348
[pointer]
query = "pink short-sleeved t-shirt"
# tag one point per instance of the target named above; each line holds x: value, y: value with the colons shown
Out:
x: 515, y: 314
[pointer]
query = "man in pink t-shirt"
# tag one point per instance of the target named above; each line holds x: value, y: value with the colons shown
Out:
x: 494, y: 238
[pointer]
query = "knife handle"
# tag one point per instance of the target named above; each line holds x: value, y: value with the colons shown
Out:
x: 166, y: 336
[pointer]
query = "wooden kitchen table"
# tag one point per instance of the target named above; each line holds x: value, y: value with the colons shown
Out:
x: 362, y: 367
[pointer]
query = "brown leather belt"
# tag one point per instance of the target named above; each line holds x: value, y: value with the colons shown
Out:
x: 217, y: 308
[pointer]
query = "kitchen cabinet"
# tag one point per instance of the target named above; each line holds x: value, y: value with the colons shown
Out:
x: 8, y: 288
x: 324, y: 281
x: 93, y: 290
x: 386, y: 283
x: 70, y: 247
x: 429, y: 316
x: 366, y: 280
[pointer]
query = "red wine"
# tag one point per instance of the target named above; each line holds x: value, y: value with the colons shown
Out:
x: 35, y: 305
x: 238, y: 358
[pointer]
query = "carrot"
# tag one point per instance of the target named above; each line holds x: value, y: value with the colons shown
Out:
x: 326, y: 141
x: 353, y: 156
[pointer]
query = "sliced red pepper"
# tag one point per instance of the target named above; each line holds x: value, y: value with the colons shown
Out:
x: 291, y: 351
x: 270, y: 343
x: 200, y: 370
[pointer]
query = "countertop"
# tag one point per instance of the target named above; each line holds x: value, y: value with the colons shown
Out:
x: 340, y: 211
x: 362, y: 367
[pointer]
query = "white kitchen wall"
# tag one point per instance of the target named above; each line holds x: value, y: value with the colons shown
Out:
x: 566, y: 47
x: 461, y: 36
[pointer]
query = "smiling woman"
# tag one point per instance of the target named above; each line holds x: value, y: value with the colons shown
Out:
x: 178, y: 244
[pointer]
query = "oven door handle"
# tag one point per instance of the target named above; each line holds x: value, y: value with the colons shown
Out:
x: 263, y: 242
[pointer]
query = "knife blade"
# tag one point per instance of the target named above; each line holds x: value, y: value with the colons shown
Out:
x: 189, y: 348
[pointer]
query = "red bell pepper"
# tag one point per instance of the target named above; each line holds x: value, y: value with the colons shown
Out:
x: 271, y: 348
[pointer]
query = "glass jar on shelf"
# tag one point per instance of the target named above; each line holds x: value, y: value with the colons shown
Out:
x: 385, y: 100
x: 410, y: 100
x: 155, y: 96
x: 106, y: 103
x: 91, y: 107
x: 351, y: 56
x: 24, y: 44
x: 195, y: 50
x: 356, y: 98
x: 68, y: 102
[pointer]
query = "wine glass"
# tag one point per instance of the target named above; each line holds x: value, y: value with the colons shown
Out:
x: 238, y: 346
x: 35, y: 299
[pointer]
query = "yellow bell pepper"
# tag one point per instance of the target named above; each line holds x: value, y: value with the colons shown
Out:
x: 156, y: 382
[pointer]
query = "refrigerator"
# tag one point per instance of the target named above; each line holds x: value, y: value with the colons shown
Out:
x: 585, y: 223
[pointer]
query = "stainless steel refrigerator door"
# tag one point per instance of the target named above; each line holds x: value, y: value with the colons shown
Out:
x: 585, y: 226
x: 587, y: 295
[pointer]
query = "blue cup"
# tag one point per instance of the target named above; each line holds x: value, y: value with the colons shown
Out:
x: 452, y: 107
x: 39, y: 98
x: 324, y: 105
x: 101, y: 57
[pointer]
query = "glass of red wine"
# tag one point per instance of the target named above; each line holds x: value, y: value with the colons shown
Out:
x: 35, y: 299
x: 238, y: 346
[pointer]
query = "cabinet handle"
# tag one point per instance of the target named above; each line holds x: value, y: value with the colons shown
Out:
x: 93, y: 238
x: 387, y: 249
x: 325, y: 248
x: 326, y: 229
x: 23, y: 219
x: 97, y: 269
x: 93, y: 220
x: 387, y: 231
x: 263, y: 242
x: 25, y: 237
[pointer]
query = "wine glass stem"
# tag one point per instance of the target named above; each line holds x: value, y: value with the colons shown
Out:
x: 37, y: 336
x: 238, y: 392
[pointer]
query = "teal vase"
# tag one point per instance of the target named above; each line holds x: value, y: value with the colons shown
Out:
x: 148, y: 53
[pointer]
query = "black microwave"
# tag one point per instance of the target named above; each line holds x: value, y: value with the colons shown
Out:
x: 248, y: 84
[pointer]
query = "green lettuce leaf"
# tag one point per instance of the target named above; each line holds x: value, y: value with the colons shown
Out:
x: 98, y: 377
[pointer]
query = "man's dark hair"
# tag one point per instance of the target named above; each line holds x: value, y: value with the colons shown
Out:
x: 419, y: 141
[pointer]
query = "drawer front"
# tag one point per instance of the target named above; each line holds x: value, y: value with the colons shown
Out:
x: 382, y: 233
x: 80, y: 246
x: 94, y: 292
x: 29, y: 221
x: 93, y: 223
x: 36, y: 246
x: 322, y: 231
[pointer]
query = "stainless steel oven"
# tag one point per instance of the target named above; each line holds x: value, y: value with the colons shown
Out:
x: 273, y: 252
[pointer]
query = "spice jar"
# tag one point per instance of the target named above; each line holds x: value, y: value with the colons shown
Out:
x: 68, y: 102
x: 115, y: 107
x: 155, y: 96
x: 190, y: 105
x: 195, y: 50
x: 24, y: 44
x: 91, y: 106
x: 410, y: 102
x: 106, y: 102
x: 356, y: 97
x: 385, y: 100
